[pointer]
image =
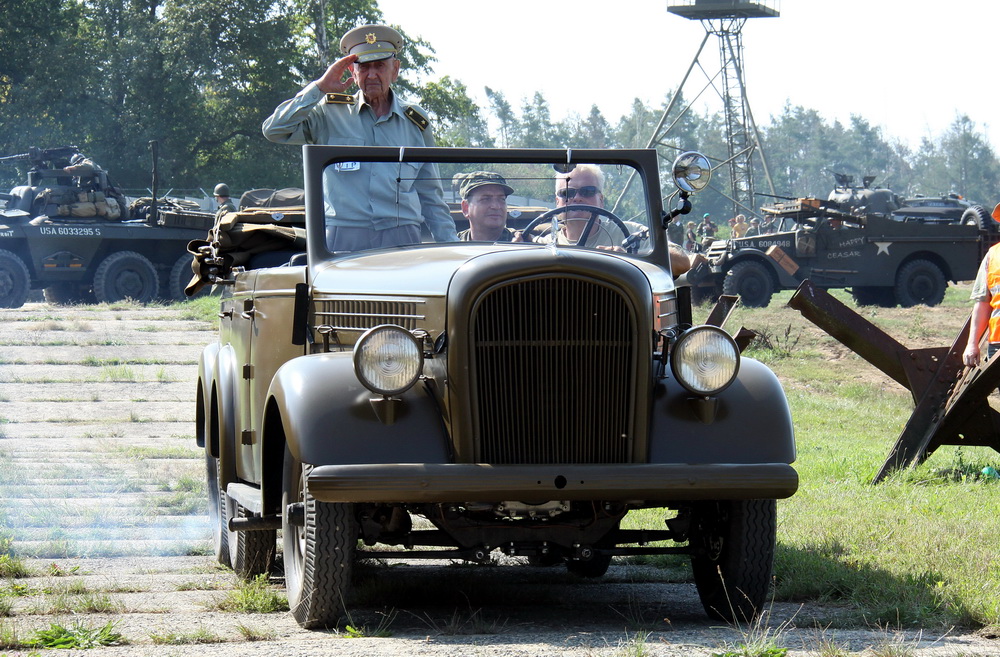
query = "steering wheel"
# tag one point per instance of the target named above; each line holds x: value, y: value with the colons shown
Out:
x: 588, y: 230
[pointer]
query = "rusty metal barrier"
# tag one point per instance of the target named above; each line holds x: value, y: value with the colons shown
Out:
x: 951, y: 405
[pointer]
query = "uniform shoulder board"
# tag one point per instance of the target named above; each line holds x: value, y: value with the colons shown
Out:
x: 342, y: 99
x: 415, y: 115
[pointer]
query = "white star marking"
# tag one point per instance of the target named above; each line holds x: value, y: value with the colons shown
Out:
x: 883, y: 247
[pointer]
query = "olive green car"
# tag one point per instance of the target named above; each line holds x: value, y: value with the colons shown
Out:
x: 521, y: 397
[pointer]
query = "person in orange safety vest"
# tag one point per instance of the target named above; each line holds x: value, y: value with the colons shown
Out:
x: 986, y: 311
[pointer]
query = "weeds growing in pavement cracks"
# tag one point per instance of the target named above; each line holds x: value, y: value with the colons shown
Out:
x: 354, y: 630
x: 77, y: 636
x: 253, y: 597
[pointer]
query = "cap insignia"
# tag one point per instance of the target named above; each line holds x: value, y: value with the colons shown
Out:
x: 370, y: 38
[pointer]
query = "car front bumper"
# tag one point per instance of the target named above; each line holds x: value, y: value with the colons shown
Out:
x: 458, y: 482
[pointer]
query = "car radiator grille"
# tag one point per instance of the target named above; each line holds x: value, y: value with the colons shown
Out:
x: 553, y: 363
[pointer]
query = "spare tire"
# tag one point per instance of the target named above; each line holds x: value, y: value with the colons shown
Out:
x: 976, y: 215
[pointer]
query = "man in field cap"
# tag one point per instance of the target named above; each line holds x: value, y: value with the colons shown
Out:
x: 366, y: 205
x: 484, y: 204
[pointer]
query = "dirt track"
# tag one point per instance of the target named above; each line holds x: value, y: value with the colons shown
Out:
x: 102, y: 488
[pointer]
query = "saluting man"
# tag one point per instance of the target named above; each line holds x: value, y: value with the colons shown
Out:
x: 369, y: 204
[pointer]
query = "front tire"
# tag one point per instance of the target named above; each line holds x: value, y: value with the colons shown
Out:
x: 733, y: 571
x: 14, y: 280
x: 752, y: 282
x: 319, y: 551
x: 920, y: 282
x: 126, y: 275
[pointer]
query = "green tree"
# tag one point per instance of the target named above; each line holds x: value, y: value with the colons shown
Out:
x: 457, y: 118
x: 503, y: 112
x: 960, y: 162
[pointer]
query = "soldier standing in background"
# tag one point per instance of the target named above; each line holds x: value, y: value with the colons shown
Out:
x: 222, y: 200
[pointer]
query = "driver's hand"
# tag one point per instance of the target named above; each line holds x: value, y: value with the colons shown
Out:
x: 520, y: 237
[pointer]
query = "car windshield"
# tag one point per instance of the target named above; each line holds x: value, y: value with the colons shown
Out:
x: 401, y: 200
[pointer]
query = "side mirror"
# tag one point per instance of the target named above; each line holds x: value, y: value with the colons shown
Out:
x: 692, y: 172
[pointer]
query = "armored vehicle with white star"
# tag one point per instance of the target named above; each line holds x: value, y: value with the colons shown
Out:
x: 885, y: 258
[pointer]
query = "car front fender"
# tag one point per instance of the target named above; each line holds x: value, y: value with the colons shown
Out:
x: 750, y: 422
x: 328, y: 417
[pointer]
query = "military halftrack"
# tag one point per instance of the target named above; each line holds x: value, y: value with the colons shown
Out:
x: 70, y: 232
x: 886, y: 249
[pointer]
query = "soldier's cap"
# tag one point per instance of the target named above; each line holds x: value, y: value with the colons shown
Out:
x: 466, y: 182
x: 222, y: 189
x: 371, y: 43
x: 754, y: 221
x: 707, y: 214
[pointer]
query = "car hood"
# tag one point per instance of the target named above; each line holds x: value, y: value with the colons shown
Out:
x: 428, y: 270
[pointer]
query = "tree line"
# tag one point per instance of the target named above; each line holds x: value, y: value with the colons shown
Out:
x: 199, y: 76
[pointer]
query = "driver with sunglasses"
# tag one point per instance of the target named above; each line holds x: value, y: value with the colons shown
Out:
x: 582, y: 186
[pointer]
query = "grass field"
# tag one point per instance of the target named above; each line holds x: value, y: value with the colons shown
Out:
x: 920, y: 549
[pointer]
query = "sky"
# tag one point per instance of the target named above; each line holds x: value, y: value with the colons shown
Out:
x: 910, y: 67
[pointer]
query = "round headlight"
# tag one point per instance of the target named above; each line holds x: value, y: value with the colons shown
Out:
x: 388, y: 359
x: 705, y: 360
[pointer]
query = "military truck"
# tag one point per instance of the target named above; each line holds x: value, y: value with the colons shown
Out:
x: 887, y: 257
x: 451, y: 400
x: 70, y: 233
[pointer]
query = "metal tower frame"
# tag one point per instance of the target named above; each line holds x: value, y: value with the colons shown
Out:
x: 724, y: 19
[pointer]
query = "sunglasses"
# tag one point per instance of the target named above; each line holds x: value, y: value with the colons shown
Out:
x: 589, y: 191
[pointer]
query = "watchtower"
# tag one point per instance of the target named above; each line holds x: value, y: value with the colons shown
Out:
x: 725, y: 19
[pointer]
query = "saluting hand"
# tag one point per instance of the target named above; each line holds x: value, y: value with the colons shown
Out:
x: 333, y: 80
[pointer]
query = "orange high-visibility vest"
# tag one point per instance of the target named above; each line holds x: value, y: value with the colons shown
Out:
x: 993, y: 286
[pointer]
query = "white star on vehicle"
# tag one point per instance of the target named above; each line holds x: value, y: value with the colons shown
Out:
x: 883, y: 247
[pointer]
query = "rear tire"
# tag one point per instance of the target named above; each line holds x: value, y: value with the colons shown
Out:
x: 251, y: 553
x: 920, y: 282
x: 733, y: 574
x: 217, y: 510
x: 752, y: 282
x: 180, y: 275
x: 318, y: 555
x: 126, y: 275
x: 14, y: 280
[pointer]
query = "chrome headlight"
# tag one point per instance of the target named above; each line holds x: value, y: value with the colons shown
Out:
x: 705, y: 360
x: 388, y: 359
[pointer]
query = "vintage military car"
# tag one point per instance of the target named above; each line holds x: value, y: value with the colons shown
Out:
x: 516, y: 397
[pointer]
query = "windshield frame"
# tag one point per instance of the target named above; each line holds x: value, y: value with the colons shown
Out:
x: 317, y: 158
